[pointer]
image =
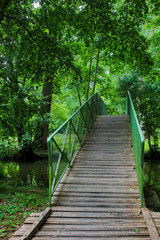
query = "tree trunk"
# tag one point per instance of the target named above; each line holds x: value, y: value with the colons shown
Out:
x: 95, y: 76
x: 152, y: 29
x: 152, y: 32
x: 26, y: 154
x: 79, y: 98
x: 47, y: 90
x: 149, y: 143
x: 89, y: 76
x: 150, y: 167
x: 150, y: 172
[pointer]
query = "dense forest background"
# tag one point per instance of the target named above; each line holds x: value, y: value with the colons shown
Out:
x: 55, y: 54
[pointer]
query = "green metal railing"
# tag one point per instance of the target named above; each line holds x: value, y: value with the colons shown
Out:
x: 64, y: 143
x: 138, y: 143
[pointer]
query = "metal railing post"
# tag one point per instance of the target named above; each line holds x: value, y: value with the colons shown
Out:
x: 138, y: 143
x: 127, y: 105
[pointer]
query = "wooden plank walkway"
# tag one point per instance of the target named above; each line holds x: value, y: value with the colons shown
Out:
x: 98, y: 198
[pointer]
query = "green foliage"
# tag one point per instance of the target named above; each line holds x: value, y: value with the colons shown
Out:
x: 63, y: 105
x: 107, y: 90
x: 8, y: 147
x: 150, y: 110
x: 146, y: 98
x: 47, y: 48
x: 151, y: 176
x: 16, y: 205
x: 32, y: 52
x: 44, y: 69
x: 130, y: 82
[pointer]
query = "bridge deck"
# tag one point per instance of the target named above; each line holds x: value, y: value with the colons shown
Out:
x: 98, y: 197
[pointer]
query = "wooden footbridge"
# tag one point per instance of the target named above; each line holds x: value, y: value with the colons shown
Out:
x: 99, y: 197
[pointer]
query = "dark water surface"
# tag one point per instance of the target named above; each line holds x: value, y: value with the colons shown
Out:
x: 29, y: 174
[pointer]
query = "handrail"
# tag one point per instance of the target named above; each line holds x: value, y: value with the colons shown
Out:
x: 138, y: 142
x: 64, y: 143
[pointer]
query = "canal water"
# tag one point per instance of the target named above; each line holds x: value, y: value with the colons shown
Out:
x: 28, y: 174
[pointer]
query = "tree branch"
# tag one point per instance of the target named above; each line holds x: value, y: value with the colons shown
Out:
x: 1, y: 76
x: 29, y: 33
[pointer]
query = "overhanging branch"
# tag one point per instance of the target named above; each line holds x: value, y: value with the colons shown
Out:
x: 29, y: 33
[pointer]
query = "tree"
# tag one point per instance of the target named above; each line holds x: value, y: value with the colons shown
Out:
x: 39, y: 45
x: 146, y: 99
x: 19, y: 47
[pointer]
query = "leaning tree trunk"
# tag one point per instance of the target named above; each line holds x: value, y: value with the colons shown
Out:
x: 79, y: 95
x: 47, y: 90
x: 89, y: 75
x: 79, y: 98
x: 149, y: 143
x: 95, y: 76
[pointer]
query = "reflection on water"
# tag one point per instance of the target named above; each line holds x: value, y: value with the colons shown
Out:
x: 30, y: 174
x: 151, y: 178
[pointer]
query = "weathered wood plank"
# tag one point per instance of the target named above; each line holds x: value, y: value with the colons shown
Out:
x: 111, y: 201
x: 91, y: 233
x: 91, y: 238
x: 96, y: 188
x: 107, y: 214
x: 29, y: 233
x: 103, y: 175
x: 98, y: 227
x: 150, y: 224
x: 104, y: 155
x: 130, y: 195
x: 88, y: 204
x: 93, y: 166
x: 104, y: 169
x: 92, y: 221
x: 113, y: 163
x: 110, y: 221
x: 109, y: 181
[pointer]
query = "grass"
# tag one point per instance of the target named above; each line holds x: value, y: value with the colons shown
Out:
x: 16, y: 204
